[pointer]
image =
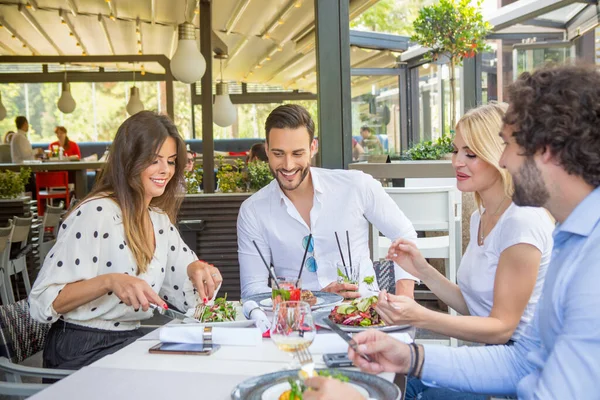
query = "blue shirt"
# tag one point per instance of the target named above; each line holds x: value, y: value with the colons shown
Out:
x: 558, y: 357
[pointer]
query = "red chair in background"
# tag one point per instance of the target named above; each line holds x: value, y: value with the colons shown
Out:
x: 51, y: 185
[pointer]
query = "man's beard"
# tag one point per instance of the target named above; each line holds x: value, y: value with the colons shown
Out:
x: 282, y: 182
x: 529, y: 187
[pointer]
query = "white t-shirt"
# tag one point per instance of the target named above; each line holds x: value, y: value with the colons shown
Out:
x: 20, y: 148
x: 477, y: 271
x: 91, y: 242
x: 343, y: 201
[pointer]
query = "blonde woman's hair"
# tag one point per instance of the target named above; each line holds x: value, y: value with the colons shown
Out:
x: 480, y: 128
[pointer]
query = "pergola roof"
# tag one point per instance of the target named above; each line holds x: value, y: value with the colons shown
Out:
x: 268, y: 41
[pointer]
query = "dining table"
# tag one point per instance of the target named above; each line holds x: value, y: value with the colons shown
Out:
x: 78, y: 167
x: 134, y: 372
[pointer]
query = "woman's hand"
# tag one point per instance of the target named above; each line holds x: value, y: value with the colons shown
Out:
x: 205, y: 278
x: 328, y: 388
x: 399, y: 310
x: 387, y: 354
x: 406, y: 255
x: 133, y: 291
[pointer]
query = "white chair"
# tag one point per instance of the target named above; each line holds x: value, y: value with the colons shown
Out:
x: 50, y: 222
x: 18, y: 264
x: 6, y: 293
x: 429, y: 209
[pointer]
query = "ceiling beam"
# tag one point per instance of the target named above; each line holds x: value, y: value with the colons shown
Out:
x: 18, y: 36
x: 33, y: 5
x: 7, y: 49
x: 75, y: 76
x: 102, y: 23
x: 279, y: 19
x: 139, y: 37
x: 158, y: 58
x: 173, y: 42
x: 65, y: 18
x: 545, y: 23
x: 297, y: 58
x: 112, y: 7
x: 237, y: 50
x: 237, y: 14
x: 33, y: 22
x: 378, y: 41
x: 520, y: 12
x: 73, y: 7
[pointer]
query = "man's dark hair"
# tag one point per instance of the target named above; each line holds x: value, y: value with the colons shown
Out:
x: 558, y: 108
x: 291, y: 116
x: 19, y: 121
x: 365, y: 128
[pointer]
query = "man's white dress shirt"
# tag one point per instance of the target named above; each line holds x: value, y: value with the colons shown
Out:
x: 343, y: 201
x: 20, y: 147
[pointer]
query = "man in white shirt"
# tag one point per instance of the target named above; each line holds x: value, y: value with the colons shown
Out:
x: 20, y: 147
x: 302, y: 200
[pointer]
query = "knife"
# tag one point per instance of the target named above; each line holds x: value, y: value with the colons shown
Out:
x: 347, y: 338
x: 172, y: 314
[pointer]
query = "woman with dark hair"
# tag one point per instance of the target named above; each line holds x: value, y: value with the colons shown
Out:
x: 257, y: 152
x: 118, y: 252
x: 70, y: 148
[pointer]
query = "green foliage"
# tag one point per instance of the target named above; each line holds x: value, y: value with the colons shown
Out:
x: 193, y: 180
x: 390, y: 16
x: 231, y: 178
x: 12, y: 184
x: 432, y: 150
x: 259, y: 175
x: 453, y: 28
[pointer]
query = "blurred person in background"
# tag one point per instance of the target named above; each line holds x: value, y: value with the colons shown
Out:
x: 70, y: 148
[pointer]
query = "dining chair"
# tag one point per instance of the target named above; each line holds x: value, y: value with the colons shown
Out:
x: 20, y: 338
x: 17, y: 262
x: 6, y: 293
x: 47, y: 231
x: 51, y: 185
x: 432, y: 209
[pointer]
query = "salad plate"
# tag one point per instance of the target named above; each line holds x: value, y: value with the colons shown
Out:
x: 356, y: 316
x: 271, y: 386
x: 324, y: 299
x: 240, y: 320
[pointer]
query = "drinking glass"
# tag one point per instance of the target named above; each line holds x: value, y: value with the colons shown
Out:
x: 348, y: 273
x: 289, y: 290
x: 293, y: 327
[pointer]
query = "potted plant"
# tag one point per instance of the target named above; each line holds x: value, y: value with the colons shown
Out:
x: 259, y: 175
x: 12, y: 184
x: 431, y: 150
x: 453, y: 30
x: 193, y: 180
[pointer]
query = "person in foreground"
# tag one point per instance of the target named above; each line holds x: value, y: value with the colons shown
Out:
x: 70, y: 148
x: 118, y: 251
x: 502, y: 272
x: 302, y: 200
x: 552, y: 150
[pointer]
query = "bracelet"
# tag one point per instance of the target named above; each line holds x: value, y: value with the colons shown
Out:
x: 412, y: 365
x: 413, y: 345
x: 420, y: 362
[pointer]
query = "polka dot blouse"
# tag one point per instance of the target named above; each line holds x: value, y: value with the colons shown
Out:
x: 91, y: 242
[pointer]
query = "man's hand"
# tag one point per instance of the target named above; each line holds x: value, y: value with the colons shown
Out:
x: 347, y: 290
x: 328, y: 388
x: 133, y: 291
x: 205, y: 278
x: 387, y: 353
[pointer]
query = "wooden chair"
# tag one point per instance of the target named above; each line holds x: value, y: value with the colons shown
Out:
x: 51, y: 185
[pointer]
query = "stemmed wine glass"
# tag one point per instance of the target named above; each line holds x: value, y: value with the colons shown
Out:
x: 293, y: 327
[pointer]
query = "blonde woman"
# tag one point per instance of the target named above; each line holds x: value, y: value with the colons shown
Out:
x: 118, y: 251
x: 502, y: 271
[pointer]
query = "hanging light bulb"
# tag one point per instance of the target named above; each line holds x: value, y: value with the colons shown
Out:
x: 135, y: 104
x: 2, y: 109
x: 66, y: 104
x: 224, y: 112
x: 187, y: 64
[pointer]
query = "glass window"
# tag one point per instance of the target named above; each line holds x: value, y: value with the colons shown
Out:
x: 430, y: 102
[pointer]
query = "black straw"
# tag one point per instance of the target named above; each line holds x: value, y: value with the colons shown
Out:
x: 304, y: 258
x: 349, y: 252
x: 266, y: 265
x: 341, y: 253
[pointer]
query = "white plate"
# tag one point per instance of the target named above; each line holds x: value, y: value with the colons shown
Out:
x: 277, y: 390
x: 320, y: 316
x: 268, y: 303
x: 240, y: 319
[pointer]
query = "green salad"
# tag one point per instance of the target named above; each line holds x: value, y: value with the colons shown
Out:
x: 298, y: 387
x: 221, y: 311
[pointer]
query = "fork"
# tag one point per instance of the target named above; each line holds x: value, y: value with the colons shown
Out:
x: 307, y: 365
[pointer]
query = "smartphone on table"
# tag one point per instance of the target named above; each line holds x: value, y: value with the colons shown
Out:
x: 197, y: 349
x: 337, y: 360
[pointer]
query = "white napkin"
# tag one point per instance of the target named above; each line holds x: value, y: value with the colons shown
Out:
x: 254, y: 312
x: 222, y: 336
x: 332, y: 343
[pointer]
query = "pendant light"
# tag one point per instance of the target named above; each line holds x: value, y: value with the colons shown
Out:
x: 2, y: 109
x: 66, y: 104
x: 224, y: 112
x: 135, y: 104
x: 187, y: 64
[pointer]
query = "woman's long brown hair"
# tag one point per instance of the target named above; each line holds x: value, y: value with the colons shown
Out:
x: 134, y: 148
